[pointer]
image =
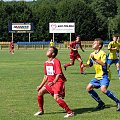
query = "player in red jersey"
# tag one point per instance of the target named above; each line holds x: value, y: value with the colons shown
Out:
x: 11, y: 47
x: 53, y: 83
x: 73, y: 46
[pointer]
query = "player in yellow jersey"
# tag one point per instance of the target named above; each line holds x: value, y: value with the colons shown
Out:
x: 51, y: 43
x: 102, y: 77
x: 118, y: 41
x: 113, y: 47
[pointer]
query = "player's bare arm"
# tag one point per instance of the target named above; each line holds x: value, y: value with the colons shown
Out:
x: 73, y: 49
x: 55, y: 80
x: 86, y: 65
x: 115, y: 48
x: 42, y: 83
x: 98, y: 61
x: 81, y: 47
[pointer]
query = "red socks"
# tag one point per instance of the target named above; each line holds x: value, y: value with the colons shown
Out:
x: 40, y: 102
x: 81, y: 67
x: 68, y: 64
x: 62, y: 104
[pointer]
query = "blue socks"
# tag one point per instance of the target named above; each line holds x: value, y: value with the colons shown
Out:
x: 95, y: 96
x: 118, y: 71
x: 110, y: 95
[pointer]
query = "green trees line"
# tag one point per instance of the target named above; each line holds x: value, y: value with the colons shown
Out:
x: 93, y: 18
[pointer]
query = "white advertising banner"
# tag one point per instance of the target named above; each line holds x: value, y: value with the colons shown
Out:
x: 21, y: 26
x: 61, y: 27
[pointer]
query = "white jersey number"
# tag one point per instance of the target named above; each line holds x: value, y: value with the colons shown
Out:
x: 49, y: 70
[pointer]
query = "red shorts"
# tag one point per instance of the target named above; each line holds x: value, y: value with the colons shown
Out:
x: 58, y: 88
x: 76, y: 56
x: 11, y: 48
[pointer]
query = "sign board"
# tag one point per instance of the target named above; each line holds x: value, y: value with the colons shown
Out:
x: 20, y: 27
x: 61, y: 27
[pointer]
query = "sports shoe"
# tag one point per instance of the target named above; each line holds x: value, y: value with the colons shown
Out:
x: 82, y: 73
x: 118, y: 107
x: 69, y: 115
x: 38, y: 113
x: 65, y: 67
x: 100, y: 106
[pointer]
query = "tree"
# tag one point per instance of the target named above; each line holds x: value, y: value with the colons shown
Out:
x: 93, y: 18
x: 77, y: 11
x: 15, y: 13
x: 44, y: 14
x: 114, y: 25
x: 105, y: 10
x: 1, y: 19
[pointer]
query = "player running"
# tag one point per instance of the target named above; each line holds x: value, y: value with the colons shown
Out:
x: 11, y: 47
x: 73, y: 46
x: 102, y: 77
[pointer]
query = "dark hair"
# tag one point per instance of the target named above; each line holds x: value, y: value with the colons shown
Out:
x: 78, y: 36
x: 100, y: 41
x: 55, y: 50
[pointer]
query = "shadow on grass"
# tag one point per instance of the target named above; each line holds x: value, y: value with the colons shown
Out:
x: 92, y: 109
x: 86, y: 73
x: 90, y: 73
x: 82, y: 110
x: 57, y: 112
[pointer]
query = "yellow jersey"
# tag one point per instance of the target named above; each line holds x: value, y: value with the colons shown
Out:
x: 118, y: 44
x: 112, y: 54
x: 101, y: 71
x: 51, y: 43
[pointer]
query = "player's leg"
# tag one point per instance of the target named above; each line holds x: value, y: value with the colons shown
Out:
x: 64, y: 105
x: 40, y: 99
x: 118, y: 67
x: 81, y: 64
x: 12, y: 51
x: 109, y: 62
x: 72, y: 59
x: 117, y: 53
x: 58, y: 89
x: 104, y: 86
x: 95, y: 84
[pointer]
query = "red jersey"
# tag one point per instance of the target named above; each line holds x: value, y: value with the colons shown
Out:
x: 74, y: 45
x: 53, y: 68
x: 11, y: 45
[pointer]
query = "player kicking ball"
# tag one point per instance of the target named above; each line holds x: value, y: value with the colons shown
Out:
x: 53, y: 83
x: 98, y: 59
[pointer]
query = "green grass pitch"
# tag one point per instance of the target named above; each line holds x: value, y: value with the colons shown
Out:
x: 22, y: 72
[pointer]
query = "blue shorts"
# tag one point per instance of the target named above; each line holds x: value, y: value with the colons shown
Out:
x: 117, y: 53
x: 110, y: 61
x: 98, y: 83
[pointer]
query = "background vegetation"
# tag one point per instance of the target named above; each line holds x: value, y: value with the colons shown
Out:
x: 93, y: 18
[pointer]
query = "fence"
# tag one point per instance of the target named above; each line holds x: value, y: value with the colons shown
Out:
x: 4, y: 45
x: 43, y: 45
